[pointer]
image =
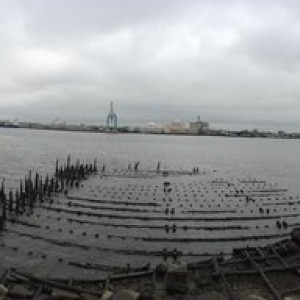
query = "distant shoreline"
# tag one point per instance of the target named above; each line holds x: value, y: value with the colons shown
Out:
x: 215, y: 133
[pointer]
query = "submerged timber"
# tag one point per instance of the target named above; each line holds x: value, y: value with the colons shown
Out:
x: 152, y: 231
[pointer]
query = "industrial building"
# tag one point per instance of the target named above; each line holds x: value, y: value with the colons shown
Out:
x: 199, y: 127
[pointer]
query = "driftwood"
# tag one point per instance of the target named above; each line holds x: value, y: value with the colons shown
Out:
x: 55, y: 284
x: 112, y: 278
x: 119, y: 269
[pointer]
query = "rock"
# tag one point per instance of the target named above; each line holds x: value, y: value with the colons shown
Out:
x: 295, y: 297
x: 177, y: 278
x: 58, y: 294
x: 3, y: 291
x: 125, y: 294
x: 21, y: 290
x: 107, y: 295
x: 147, y: 291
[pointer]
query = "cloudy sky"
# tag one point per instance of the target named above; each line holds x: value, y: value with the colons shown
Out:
x: 235, y: 63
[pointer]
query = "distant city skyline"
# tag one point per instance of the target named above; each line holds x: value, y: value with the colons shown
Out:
x: 236, y: 63
x: 125, y: 121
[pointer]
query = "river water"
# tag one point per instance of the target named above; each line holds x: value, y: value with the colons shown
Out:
x: 275, y: 159
x: 233, y: 160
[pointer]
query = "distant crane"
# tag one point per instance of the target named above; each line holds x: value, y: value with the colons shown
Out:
x: 111, y: 119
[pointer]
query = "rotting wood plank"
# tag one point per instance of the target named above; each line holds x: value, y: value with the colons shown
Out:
x: 266, y: 280
x: 262, y: 256
x: 275, y: 252
x: 36, y: 280
x: 112, y: 278
x: 254, y: 271
x: 220, y: 273
x: 226, y: 263
x: 260, y: 252
x: 280, y: 258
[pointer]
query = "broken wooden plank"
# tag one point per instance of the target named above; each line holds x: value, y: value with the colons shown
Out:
x: 266, y: 280
x: 225, y: 282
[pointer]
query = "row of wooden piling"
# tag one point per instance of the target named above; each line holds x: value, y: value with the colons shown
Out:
x: 35, y: 189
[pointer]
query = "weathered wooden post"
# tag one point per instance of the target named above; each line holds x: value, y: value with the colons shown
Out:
x: 37, y: 180
x: 4, y: 216
x: 136, y: 166
x: 21, y: 187
x: 41, y: 191
x: 17, y: 206
x: 51, y: 189
x: 158, y: 167
x: 68, y: 160
x: 46, y: 184
x: 30, y: 184
x: 31, y: 198
x: 2, y: 192
x: 62, y: 183
x: 56, y: 167
x: 2, y: 204
x: 10, y: 201
x: 56, y: 185
x: 26, y: 190
x: 23, y: 201
x: 95, y: 165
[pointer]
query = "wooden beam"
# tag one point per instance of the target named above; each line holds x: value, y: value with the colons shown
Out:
x: 262, y: 256
x: 253, y: 272
x: 280, y: 258
x: 275, y: 252
x: 225, y: 282
x: 266, y: 280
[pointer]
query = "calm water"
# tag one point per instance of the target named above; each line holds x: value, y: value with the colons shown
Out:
x: 194, y: 198
x: 275, y: 160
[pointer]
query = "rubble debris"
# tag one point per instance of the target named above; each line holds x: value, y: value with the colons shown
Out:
x: 3, y: 291
x: 107, y: 295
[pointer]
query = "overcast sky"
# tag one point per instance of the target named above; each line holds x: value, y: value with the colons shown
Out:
x: 235, y: 63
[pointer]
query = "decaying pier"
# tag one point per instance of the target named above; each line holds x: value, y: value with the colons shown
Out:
x: 87, y: 228
x: 270, y: 272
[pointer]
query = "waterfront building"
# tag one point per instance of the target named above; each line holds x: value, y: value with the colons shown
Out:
x: 152, y: 127
x: 199, y: 127
x: 176, y: 127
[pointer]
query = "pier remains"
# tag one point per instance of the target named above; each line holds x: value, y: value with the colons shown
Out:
x: 97, y: 231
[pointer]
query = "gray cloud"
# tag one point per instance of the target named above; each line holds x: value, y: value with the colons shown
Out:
x: 236, y: 63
